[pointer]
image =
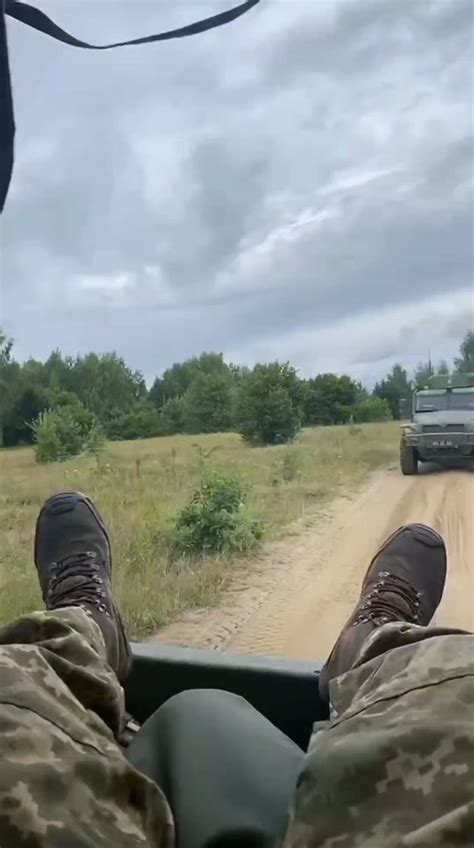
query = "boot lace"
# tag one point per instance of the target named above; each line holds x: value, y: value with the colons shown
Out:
x: 75, y: 581
x: 390, y: 598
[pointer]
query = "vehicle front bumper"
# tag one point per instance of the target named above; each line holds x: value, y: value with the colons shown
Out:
x: 441, y: 444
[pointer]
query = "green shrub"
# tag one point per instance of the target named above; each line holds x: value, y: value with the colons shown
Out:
x: 141, y: 423
x: 215, y: 519
x: 66, y: 431
x: 372, y: 409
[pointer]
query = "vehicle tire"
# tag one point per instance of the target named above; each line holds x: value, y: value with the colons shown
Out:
x: 408, y: 459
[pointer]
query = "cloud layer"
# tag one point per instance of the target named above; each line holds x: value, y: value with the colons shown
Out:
x: 297, y: 185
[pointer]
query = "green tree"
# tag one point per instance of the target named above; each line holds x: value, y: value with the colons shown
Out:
x: 144, y: 422
x: 33, y: 373
x: 59, y: 372
x: 395, y: 388
x: 176, y: 380
x: 208, y: 404
x: 329, y: 399
x: 28, y: 402
x: 270, y: 404
x: 425, y: 370
x: 172, y: 416
x: 238, y: 372
x: 156, y: 395
x: 465, y: 361
x: 65, y: 432
x: 106, y: 385
x: 422, y: 373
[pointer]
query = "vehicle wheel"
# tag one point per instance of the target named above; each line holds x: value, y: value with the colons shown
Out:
x: 408, y: 459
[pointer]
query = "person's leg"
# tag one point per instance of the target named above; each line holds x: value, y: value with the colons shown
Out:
x: 228, y: 773
x: 396, y: 765
x: 63, y: 779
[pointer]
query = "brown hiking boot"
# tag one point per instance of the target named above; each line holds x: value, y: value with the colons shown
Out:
x: 404, y: 582
x: 72, y: 556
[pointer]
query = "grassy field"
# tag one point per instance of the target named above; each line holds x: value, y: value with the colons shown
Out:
x: 138, y: 487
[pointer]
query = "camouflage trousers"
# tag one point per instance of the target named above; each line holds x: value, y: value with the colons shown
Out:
x: 394, y: 767
x: 64, y: 782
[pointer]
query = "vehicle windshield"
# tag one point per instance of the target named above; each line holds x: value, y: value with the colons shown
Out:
x: 462, y: 400
x: 431, y: 403
x: 449, y: 400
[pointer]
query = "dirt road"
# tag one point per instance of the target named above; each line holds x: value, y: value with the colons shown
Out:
x: 293, y: 600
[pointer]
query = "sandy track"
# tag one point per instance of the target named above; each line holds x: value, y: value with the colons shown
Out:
x: 293, y: 600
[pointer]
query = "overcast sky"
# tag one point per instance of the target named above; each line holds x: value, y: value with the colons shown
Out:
x: 297, y: 185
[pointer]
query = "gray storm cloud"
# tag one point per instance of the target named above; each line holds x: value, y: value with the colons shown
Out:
x: 280, y: 187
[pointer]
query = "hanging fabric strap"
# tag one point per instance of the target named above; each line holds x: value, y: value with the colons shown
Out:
x: 36, y: 19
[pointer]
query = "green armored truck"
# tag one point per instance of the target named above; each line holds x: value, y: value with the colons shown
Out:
x: 441, y: 426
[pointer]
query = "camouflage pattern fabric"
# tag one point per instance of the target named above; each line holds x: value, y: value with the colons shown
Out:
x: 395, y: 766
x: 64, y: 782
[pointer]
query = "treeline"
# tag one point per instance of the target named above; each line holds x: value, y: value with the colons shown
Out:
x: 269, y: 402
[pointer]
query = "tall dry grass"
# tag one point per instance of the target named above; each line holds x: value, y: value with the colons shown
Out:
x: 139, y: 486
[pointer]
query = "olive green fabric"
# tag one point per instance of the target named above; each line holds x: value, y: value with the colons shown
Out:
x: 228, y: 773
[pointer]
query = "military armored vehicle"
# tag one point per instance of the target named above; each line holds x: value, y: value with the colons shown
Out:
x: 441, y: 425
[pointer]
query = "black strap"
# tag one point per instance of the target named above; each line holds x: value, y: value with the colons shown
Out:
x: 38, y: 20
x: 7, y: 124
